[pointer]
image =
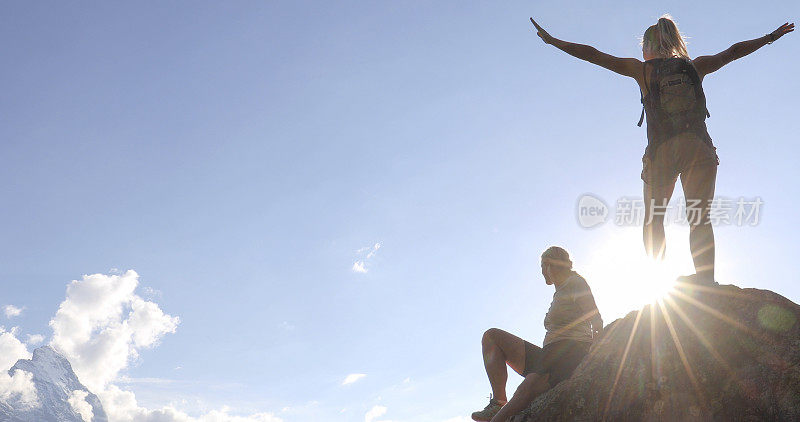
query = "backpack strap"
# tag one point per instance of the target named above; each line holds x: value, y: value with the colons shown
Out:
x: 696, y: 81
x: 641, y: 94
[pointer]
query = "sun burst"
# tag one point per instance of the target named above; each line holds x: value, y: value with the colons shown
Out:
x: 624, y: 279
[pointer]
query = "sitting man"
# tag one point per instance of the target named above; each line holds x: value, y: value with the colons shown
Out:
x: 572, y: 323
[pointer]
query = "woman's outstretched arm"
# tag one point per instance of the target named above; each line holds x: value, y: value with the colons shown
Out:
x: 627, y: 67
x: 709, y: 64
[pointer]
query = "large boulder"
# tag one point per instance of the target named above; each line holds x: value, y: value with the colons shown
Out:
x: 705, y: 353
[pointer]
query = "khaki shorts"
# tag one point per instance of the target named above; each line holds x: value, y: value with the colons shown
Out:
x: 676, y: 155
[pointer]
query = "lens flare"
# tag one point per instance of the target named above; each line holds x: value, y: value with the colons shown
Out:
x: 623, y: 278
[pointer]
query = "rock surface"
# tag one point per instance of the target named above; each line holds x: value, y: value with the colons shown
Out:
x: 707, y: 353
x: 55, y: 382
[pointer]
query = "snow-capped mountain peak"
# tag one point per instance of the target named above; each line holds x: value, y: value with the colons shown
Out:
x: 59, y: 392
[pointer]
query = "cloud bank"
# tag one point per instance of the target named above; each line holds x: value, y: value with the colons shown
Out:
x: 101, y: 327
x: 77, y: 400
x: 19, y: 386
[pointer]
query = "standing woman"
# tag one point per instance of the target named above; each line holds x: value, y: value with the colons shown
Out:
x: 677, y: 140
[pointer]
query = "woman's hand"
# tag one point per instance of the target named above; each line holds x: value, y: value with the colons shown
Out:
x: 774, y: 35
x: 547, y: 38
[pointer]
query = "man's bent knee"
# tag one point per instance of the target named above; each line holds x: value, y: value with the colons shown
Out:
x: 491, y: 335
x: 492, y: 332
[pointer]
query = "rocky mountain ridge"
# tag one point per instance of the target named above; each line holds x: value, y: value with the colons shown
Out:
x: 699, y: 354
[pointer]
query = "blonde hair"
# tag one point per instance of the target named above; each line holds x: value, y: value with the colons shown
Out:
x: 557, y: 256
x: 664, y: 40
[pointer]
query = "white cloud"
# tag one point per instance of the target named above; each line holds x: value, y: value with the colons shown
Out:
x: 374, y: 250
x: 365, y: 254
x: 77, y: 401
x: 223, y: 416
x: 101, y: 327
x: 152, y: 293
x: 17, y: 388
x: 34, y: 339
x: 102, y: 324
x: 352, y: 378
x: 12, y: 311
x: 121, y: 406
x: 359, y: 267
x: 375, y: 412
x: 11, y: 349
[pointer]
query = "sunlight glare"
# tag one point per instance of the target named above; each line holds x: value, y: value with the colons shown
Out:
x: 624, y: 279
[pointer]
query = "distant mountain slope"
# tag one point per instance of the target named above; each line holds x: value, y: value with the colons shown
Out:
x: 55, y: 383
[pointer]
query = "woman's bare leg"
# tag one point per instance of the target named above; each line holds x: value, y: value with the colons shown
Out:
x: 656, y: 199
x: 699, y: 183
x: 501, y: 348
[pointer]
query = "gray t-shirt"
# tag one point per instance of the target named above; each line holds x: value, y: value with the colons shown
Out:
x: 565, y: 320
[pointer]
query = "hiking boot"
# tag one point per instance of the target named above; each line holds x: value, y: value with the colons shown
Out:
x: 488, y: 412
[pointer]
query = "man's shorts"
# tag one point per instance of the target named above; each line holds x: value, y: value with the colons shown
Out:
x: 558, y: 359
x: 676, y: 155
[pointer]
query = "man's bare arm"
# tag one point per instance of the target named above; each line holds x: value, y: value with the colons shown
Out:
x: 589, y: 307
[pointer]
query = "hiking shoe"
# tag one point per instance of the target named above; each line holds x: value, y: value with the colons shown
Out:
x: 488, y: 412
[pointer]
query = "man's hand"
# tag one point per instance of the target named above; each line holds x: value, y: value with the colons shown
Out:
x: 547, y: 38
x: 781, y: 31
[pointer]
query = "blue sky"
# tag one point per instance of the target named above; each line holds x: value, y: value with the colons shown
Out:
x: 240, y: 157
